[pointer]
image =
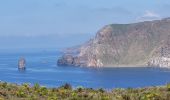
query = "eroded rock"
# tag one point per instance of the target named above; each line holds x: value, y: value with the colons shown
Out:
x: 66, y: 60
x: 21, y: 64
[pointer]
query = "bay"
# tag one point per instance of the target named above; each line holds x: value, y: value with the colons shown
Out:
x: 41, y: 67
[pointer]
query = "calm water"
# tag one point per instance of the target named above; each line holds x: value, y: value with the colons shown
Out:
x: 42, y: 68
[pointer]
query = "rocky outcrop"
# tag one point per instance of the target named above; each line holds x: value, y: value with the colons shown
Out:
x: 159, y: 62
x: 121, y: 45
x: 161, y: 58
x: 70, y: 60
x: 21, y: 64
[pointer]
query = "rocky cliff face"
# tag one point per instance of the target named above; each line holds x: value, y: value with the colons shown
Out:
x: 126, y: 45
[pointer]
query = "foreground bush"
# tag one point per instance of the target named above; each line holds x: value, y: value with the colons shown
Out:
x: 66, y: 92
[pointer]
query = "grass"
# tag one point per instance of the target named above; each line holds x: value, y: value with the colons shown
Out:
x: 66, y: 92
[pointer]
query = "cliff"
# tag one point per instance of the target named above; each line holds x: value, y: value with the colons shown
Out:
x: 125, y: 45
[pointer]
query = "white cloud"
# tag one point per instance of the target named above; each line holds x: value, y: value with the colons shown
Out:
x: 149, y: 15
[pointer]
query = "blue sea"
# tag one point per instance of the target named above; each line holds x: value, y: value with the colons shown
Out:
x: 41, y: 67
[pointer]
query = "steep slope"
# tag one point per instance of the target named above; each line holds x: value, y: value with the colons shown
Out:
x: 125, y: 45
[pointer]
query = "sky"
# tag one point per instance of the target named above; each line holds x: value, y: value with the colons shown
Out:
x: 62, y: 23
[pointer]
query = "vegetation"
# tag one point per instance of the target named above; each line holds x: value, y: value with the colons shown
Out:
x: 66, y: 92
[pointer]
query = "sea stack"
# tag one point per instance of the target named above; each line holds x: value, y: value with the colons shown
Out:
x: 21, y: 64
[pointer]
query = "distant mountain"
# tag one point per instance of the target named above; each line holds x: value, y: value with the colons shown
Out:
x: 125, y: 45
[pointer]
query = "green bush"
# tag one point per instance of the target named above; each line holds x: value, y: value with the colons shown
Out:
x: 4, y: 84
x: 36, y: 86
x: 150, y: 96
x: 67, y: 86
x: 168, y: 86
x: 33, y: 97
x: 21, y: 93
x: 79, y: 88
x: 65, y: 92
x: 43, y: 91
x: 101, y: 90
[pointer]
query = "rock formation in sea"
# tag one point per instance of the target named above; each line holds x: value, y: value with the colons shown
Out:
x: 125, y: 45
x: 21, y: 64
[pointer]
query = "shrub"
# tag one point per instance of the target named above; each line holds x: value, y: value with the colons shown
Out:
x: 36, y: 86
x: 25, y: 87
x: 80, y: 89
x: 101, y: 90
x: 67, y: 86
x: 168, y: 86
x: 4, y: 84
x: 33, y: 97
x: 43, y: 91
x: 65, y: 92
x: 21, y: 93
x: 53, y: 98
x: 105, y: 98
x: 150, y: 96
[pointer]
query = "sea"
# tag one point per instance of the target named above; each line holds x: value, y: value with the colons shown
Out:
x: 41, y: 68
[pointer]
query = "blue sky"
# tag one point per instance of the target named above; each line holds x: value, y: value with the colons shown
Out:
x: 30, y: 20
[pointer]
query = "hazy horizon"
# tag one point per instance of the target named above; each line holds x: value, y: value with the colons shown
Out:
x: 27, y: 24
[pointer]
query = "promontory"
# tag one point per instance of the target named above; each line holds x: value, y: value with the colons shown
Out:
x: 125, y: 45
